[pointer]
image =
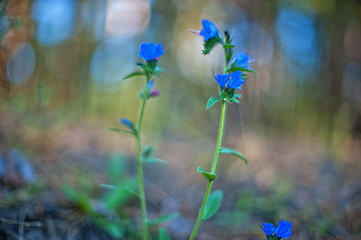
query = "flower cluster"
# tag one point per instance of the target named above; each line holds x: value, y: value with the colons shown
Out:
x: 235, y: 81
x: 236, y: 65
x: 283, y: 230
x: 150, y: 52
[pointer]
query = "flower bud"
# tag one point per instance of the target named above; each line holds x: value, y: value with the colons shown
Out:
x: 127, y: 123
x: 154, y: 93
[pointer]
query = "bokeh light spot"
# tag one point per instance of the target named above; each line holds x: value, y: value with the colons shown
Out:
x: 21, y: 64
x: 55, y: 20
x: 297, y: 38
x: 352, y: 81
x: 111, y: 61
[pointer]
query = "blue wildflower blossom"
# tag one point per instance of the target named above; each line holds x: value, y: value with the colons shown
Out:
x: 268, y: 228
x: 209, y: 30
x: 236, y: 80
x: 150, y: 51
x: 222, y: 79
x: 127, y: 123
x: 283, y: 229
x: 242, y: 60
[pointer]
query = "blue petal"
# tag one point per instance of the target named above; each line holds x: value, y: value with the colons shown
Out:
x: 158, y: 50
x: 287, y: 234
x: 241, y: 60
x: 151, y: 51
x: 222, y: 79
x: 209, y: 30
x: 236, y: 80
x: 283, y: 229
x: 144, y: 51
x: 206, y: 25
x: 268, y: 228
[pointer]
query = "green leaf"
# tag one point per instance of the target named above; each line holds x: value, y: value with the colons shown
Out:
x: 79, y: 198
x: 210, y: 44
x: 154, y: 160
x: 212, y: 101
x: 163, y: 234
x: 249, y: 70
x: 134, y: 74
x: 121, y: 131
x: 118, y: 197
x: 119, y: 189
x: 234, y: 68
x: 114, y: 229
x: 212, y: 205
x: 163, y: 218
x: 148, y: 151
x: 209, y: 176
x: 233, y: 152
x: 227, y: 46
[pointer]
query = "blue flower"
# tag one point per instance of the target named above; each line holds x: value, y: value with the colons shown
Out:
x: 222, y: 79
x: 236, y: 80
x: 150, y: 51
x: 127, y: 123
x: 242, y: 60
x: 283, y: 229
x: 209, y: 30
x: 268, y: 228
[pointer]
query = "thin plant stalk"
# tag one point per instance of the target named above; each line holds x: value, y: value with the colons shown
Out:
x: 213, y: 171
x: 143, y: 206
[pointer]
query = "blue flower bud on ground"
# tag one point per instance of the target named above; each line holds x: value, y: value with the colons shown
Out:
x: 236, y: 80
x: 222, y: 79
x: 127, y: 123
x: 150, y: 85
x: 242, y: 60
x: 209, y: 30
x: 283, y: 229
x: 150, y: 51
x: 268, y: 228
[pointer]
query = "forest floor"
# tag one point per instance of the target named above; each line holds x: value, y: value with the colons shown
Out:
x: 296, y: 179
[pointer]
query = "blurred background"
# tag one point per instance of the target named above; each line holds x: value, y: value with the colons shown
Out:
x: 299, y: 121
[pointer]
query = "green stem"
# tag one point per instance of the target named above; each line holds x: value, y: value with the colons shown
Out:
x: 214, y: 166
x: 143, y: 207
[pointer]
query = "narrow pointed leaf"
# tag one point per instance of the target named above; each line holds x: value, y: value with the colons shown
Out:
x: 227, y: 46
x: 134, y: 74
x: 233, y: 152
x: 154, y: 160
x: 121, y: 131
x: 212, y: 205
x: 163, y: 218
x: 209, y: 176
x: 211, y: 102
x: 233, y: 69
x: 163, y: 234
x: 119, y: 188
